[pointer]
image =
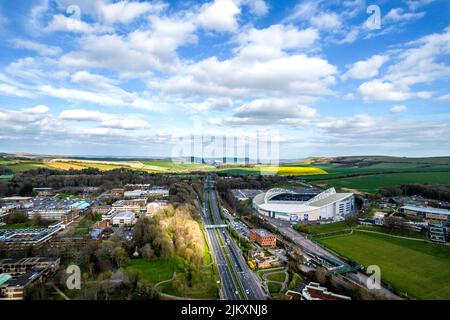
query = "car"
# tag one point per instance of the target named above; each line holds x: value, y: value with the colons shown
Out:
x: 247, y: 291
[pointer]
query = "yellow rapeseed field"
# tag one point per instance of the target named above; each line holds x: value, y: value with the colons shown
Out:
x: 293, y: 171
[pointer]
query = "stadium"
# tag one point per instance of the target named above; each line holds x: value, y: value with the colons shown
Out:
x: 293, y: 206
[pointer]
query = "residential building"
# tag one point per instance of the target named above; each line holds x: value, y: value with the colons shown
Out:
x: 23, y: 272
x: 101, y: 209
x: 44, y: 192
x: 426, y: 213
x: 23, y: 238
x: 263, y: 237
x: 65, y: 215
x: 379, y: 218
x: 22, y: 202
x: 80, y: 206
x: 117, y: 192
x: 124, y: 218
x: 159, y: 192
x: 153, y: 207
x: 137, y: 186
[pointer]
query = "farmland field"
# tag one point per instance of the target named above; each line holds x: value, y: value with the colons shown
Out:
x: 282, y: 170
x: 420, y: 269
x: 371, y: 183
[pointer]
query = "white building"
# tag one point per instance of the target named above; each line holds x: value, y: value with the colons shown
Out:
x: 295, y: 207
x: 124, y: 218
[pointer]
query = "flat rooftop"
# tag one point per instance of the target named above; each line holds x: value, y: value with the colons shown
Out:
x: 427, y: 209
x: 124, y: 214
x: 263, y: 232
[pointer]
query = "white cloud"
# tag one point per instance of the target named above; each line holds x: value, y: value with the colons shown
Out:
x: 381, y: 91
x: 126, y: 12
x: 258, y: 7
x: 415, y: 64
x: 445, y: 97
x: 239, y: 76
x: 218, y: 104
x: 399, y: 109
x: 327, y: 21
x: 106, y: 120
x: 258, y: 42
x: 40, y: 109
x: 62, y: 23
x: 366, y: 69
x: 10, y: 90
x: 220, y: 15
x: 399, y: 15
x: 137, y: 53
x: 40, y: 48
x: 269, y: 111
x: 415, y: 4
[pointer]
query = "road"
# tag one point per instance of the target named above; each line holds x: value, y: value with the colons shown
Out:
x: 251, y: 288
x: 230, y: 289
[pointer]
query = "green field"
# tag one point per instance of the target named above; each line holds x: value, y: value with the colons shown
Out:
x: 274, y: 287
x: 156, y: 270
x: 372, y: 183
x: 24, y: 225
x: 264, y: 271
x: 420, y: 269
x: 278, y: 277
x: 17, y: 166
x: 323, y: 228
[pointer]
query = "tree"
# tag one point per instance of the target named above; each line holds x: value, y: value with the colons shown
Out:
x: 146, y: 291
x: 147, y: 252
x: 36, y: 291
x: 16, y: 217
x: 37, y: 220
x: 120, y: 256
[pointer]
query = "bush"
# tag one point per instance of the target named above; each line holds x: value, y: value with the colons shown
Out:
x: 16, y: 217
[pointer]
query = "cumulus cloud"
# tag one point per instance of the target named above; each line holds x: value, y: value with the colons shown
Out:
x: 239, y: 76
x: 269, y: 111
x: 106, y: 120
x: 366, y: 69
x: 40, y: 109
x: 399, y: 15
x: 418, y: 63
x: 40, y: 48
x: 220, y: 15
x: 386, y: 91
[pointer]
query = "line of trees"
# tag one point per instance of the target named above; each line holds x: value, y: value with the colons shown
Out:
x: 73, y: 181
x: 431, y: 191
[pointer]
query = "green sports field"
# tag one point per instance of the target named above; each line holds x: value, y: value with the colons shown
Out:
x: 417, y: 268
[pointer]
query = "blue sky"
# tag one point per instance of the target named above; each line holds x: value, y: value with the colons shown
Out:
x: 130, y: 78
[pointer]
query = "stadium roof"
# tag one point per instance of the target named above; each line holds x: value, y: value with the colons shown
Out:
x: 323, y: 199
x: 330, y: 199
x: 287, y: 208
